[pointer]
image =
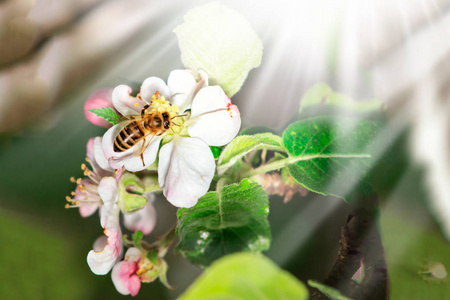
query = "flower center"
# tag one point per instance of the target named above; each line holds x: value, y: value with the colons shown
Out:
x: 160, y: 104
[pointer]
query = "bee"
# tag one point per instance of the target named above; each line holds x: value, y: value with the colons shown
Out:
x: 142, y: 127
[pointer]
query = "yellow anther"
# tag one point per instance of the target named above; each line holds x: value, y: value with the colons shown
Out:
x: 72, y: 179
x: 77, y: 203
x: 67, y: 205
x: 68, y: 198
x: 136, y: 104
x: 73, y: 193
x: 78, y: 180
x: 87, y: 159
x: 83, y: 167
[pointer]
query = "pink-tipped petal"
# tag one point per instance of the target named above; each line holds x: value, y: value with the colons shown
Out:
x: 214, y: 119
x: 209, y: 99
x: 152, y: 85
x: 217, y: 128
x: 186, y: 168
x: 143, y: 220
x: 124, y: 102
x: 100, y: 159
x: 123, y: 274
x: 99, y: 99
x: 101, y: 261
x: 124, y: 278
x: 88, y: 210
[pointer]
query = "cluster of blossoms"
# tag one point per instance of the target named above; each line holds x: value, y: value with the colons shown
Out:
x: 199, y: 116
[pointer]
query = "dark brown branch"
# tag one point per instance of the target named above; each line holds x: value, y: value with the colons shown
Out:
x: 360, y: 242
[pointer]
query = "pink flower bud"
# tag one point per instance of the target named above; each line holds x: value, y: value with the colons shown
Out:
x: 99, y: 99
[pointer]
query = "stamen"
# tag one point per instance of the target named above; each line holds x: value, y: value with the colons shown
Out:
x: 78, y: 180
x: 136, y: 104
x: 87, y: 159
x: 67, y: 205
x: 72, y: 179
x: 142, y: 99
x: 68, y: 198
x: 83, y: 167
x: 73, y: 193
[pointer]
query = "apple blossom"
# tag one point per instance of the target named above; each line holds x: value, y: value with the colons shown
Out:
x: 88, y: 193
x: 99, y: 190
x: 186, y: 164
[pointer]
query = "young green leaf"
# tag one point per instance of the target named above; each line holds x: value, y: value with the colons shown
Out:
x: 243, y: 145
x: 137, y: 238
x: 220, y: 41
x: 246, y: 276
x: 230, y: 220
x: 331, y: 156
x: 330, y: 292
x: 106, y: 113
x: 321, y: 97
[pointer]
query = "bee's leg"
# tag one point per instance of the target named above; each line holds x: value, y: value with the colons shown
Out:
x: 143, y: 110
x: 144, y: 146
x: 141, y: 151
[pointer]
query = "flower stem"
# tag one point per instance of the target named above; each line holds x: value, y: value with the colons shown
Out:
x: 279, y: 164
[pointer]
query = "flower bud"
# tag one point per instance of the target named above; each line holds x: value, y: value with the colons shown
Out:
x: 131, y: 190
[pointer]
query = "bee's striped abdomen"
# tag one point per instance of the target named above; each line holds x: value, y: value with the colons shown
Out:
x: 129, y: 136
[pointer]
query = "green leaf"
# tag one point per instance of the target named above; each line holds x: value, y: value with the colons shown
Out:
x: 245, y: 276
x: 220, y: 41
x: 243, y: 145
x: 331, y: 156
x: 231, y: 220
x: 330, y: 292
x: 321, y: 97
x: 106, y: 113
x: 137, y: 238
x: 215, y: 151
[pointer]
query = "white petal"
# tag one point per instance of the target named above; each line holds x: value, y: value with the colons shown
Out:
x: 102, y: 261
x: 124, y: 102
x: 100, y: 243
x: 186, y: 168
x: 133, y: 254
x: 107, y: 189
x: 130, y: 158
x: 143, y: 220
x: 99, y: 156
x: 88, y: 210
x: 209, y: 99
x: 181, y: 83
x: 133, y: 163
x: 152, y: 85
x: 217, y: 128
